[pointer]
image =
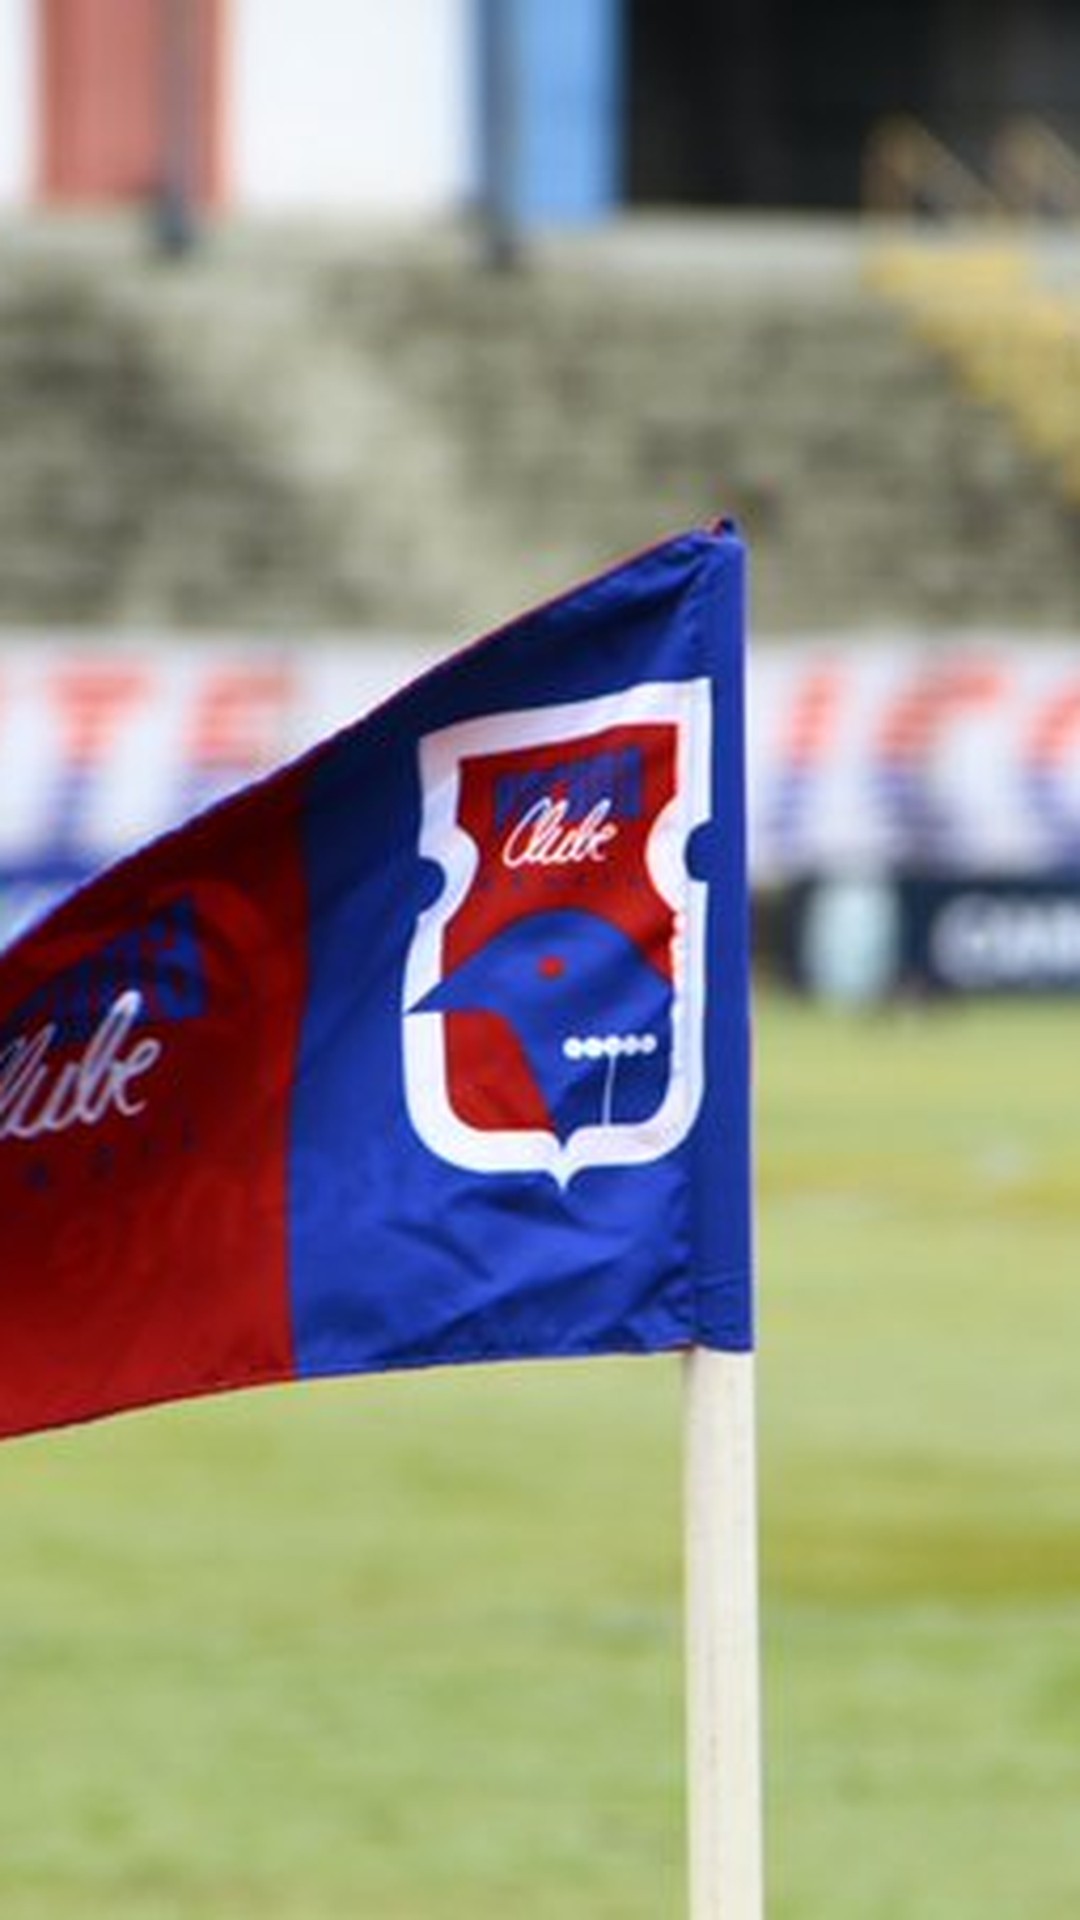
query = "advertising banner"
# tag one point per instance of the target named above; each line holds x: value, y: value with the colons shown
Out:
x: 864, y: 938
x: 105, y: 744
x: 864, y: 758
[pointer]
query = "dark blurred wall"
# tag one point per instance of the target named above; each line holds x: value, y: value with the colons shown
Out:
x: 991, y: 58
x: 770, y: 102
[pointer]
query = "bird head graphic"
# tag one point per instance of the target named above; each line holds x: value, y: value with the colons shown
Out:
x: 591, y: 1012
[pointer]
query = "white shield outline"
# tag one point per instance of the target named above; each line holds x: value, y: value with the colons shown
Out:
x: 687, y: 706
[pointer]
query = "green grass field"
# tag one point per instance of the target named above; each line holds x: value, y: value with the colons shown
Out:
x: 410, y: 1649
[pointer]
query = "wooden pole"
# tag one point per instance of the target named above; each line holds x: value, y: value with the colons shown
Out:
x: 723, y: 1642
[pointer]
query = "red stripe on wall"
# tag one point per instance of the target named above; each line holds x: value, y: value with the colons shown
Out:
x: 129, y: 89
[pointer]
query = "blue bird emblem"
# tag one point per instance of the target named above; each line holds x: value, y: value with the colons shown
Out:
x: 590, y: 1010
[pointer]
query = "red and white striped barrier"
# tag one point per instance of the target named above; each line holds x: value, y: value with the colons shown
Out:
x: 861, y: 757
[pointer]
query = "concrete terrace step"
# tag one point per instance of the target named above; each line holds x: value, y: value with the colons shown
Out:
x: 315, y: 429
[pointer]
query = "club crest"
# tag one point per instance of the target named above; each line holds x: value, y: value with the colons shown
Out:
x: 554, y: 992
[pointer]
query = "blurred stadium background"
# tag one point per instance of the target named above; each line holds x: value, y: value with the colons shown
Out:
x: 331, y: 333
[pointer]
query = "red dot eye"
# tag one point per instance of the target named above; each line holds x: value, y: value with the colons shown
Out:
x: 551, y: 967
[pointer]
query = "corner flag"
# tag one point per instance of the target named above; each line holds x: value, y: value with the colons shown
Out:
x: 432, y: 1047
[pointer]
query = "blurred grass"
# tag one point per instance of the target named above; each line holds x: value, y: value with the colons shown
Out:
x: 410, y: 1649
x: 920, y: 1206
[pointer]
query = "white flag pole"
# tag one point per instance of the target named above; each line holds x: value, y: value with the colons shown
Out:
x: 722, y: 1650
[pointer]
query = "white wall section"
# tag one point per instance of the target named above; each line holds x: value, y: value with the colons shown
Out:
x: 18, y: 101
x: 348, y: 105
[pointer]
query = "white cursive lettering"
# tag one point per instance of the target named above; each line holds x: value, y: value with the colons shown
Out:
x: 541, y: 838
x: 37, y: 1097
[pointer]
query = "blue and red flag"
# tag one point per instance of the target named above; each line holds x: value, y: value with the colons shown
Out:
x: 432, y: 1047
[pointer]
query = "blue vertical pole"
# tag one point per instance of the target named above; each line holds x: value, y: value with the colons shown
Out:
x: 550, y: 114
x: 499, y: 111
x: 570, y: 151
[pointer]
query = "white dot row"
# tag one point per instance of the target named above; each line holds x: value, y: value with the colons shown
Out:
x: 608, y: 1046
